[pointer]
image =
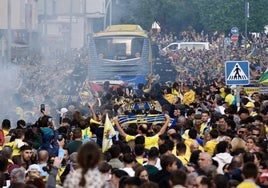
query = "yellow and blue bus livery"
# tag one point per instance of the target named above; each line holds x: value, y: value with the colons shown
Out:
x: 120, y: 53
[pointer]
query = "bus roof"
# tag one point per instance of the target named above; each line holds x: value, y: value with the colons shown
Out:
x: 125, y: 29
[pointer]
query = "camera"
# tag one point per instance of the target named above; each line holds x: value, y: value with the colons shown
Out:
x: 73, y: 128
x: 42, y: 108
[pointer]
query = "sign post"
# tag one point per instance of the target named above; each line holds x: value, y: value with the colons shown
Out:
x: 234, y: 30
x: 234, y: 38
x: 235, y: 34
x: 237, y: 73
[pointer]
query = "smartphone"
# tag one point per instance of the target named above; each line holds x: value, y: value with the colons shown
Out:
x: 42, y: 108
x: 60, y: 137
x: 61, y: 153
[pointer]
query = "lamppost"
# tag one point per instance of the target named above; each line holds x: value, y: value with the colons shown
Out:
x: 108, y: 5
x: 9, y: 31
x: 85, y: 21
x: 246, y: 19
x: 246, y: 24
x: 45, y: 29
x: 28, y: 23
x: 70, y: 24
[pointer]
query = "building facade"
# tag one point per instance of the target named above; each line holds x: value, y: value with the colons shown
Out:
x: 31, y: 24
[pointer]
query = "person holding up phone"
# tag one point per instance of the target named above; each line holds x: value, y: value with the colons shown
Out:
x: 61, y: 143
x: 49, y: 132
x: 51, y: 182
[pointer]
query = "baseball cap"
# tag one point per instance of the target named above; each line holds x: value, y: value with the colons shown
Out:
x: 34, y: 167
x: 250, y: 105
x: 62, y: 111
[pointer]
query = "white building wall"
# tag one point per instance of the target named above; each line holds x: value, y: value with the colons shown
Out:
x: 3, y: 14
x: 17, y: 14
x: 77, y: 33
x: 60, y: 28
x: 49, y: 5
x: 94, y: 8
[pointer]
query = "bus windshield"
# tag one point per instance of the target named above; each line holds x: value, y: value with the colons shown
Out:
x: 119, y: 47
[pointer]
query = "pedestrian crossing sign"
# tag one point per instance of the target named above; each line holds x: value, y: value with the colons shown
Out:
x: 237, y: 73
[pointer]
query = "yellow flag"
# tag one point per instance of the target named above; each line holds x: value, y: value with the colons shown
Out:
x: 108, y: 133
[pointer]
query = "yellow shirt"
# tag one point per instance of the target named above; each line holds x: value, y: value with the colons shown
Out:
x: 188, y: 142
x: 129, y: 138
x: 184, y: 159
x: 15, y: 145
x: 86, y: 132
x: 150, y: 141
x: 58, y: 180
x: 170, y: 98
x: 188, y: 97
x: 210, y: 146
x: 5, y: 132
x: 222, y: 93
x: 140, y: 160
x: 252, y: 114
x: 16, y: 151
x: 202, y: 129
x: 177, y: 93
x: 247, y: 184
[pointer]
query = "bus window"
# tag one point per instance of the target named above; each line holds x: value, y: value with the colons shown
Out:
x: 119, y: 48
x: 136, y: 46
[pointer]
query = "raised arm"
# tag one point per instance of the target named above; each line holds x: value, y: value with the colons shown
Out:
x: 164, y: 127
x: 119, y: 128
x: 91, y: 108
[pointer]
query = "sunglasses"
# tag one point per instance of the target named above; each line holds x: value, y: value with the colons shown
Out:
x: 241, y: 132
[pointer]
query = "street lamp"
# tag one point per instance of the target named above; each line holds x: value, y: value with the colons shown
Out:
x: 70, y: 24
x: 108, y: 4
x: 246, y: 19
x: 28, y: 21
x: 85, y: 21
x: 9, y: 31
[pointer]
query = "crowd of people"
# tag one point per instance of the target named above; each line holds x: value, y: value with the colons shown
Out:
x: 189, y: 132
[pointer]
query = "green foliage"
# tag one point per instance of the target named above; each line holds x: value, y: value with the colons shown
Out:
x: 208, y: 15
x: 223, y: 15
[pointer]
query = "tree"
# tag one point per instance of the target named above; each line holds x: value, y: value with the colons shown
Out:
x: 222, y: 15
x: 173, y: 15
x: 208, y: 15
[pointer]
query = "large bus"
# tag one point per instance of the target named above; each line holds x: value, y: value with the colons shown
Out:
x: 120, y: 53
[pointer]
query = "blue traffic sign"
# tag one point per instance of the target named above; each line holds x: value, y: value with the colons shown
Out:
x: 237, y: 73
x: 234, y: 30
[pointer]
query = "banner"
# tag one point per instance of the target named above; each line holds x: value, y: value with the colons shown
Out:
x: 145, y: 118
x: 108, y: 133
